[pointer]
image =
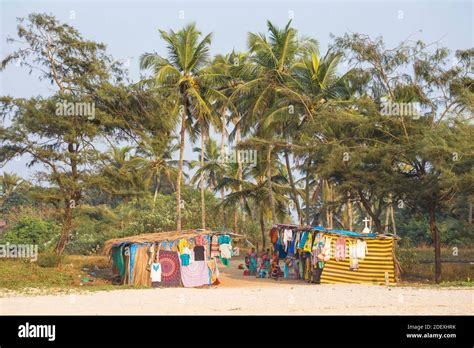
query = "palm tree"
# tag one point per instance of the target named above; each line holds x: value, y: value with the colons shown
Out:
x: 9, y: 182
x: 268, y: 70
x: 187, y: 77
x: 210, y: 171
x: 156, y: 162
x: 231, y: 113
x: 256, y: 192
x: 119, y: 177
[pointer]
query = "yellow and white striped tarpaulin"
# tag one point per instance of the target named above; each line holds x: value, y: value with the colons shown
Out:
x: 374, y: 268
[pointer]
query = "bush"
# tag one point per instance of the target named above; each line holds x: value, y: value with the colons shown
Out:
x: 32, y: 230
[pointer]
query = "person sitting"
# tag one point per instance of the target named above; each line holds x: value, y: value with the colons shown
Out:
x: 275, y: 270
x: 251, y: 261
x: 264, y: 268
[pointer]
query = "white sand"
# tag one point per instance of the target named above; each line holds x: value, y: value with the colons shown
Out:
x: 239, y: 295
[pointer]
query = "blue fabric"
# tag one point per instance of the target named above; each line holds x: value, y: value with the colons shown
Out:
x: 133, y: 248
x: 291, y: 249
x: 224, y: 239
x: 185, y: 259
x: 303, y: 238
x: 355, y: 234
x: 281, y: 252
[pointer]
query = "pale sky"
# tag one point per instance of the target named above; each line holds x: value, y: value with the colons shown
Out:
x: 129, y: 28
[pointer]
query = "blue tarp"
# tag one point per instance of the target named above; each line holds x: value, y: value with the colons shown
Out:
x: 347, y: 233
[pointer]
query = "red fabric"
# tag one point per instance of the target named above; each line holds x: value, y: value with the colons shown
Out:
x: 274, y: 235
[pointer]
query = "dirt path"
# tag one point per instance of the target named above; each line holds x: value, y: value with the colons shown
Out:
x: 247, y: 295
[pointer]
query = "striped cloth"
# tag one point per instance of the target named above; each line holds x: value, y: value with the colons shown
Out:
x: 372, y: 269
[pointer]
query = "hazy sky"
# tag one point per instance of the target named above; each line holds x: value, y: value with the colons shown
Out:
x: 129, y: 28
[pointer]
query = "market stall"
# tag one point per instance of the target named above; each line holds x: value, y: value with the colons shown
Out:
x: 170, y: 259
x: 319, y: 255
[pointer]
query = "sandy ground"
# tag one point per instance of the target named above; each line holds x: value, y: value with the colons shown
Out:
x: 238, y: 295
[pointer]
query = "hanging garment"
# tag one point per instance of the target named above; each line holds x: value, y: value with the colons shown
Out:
x: 214, y: 270
x: 326, y: 252
x: 340, y: 249
x: 118, y: 260
x: 287, y: 238
x: 185, y: 256
x: 141, y: 272
x: 126, y: 258
x: 303, y: 238
x: 296, y: 240
x: 284, y: 267
x: 183, y: 243
x: 155, y: 272
x: 362, y: 250
x: 291, y: 249
x: 226, y: 253
x: 309, y: 243
x: 224, y: 239
x: 307, y: 268
x: 215, y: 246
x: 353, y: 261
x: 200, y: 240
x: 170, y: 269
x: 281, y: 252
x: 133, y: 248
x: 199, y: 253
x: 195, y: 274
x: 273, y: 235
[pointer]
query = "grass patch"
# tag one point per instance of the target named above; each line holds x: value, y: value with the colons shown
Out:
x: 23, y: 275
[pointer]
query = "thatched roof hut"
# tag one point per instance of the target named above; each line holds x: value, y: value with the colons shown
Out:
x: 153, y: 237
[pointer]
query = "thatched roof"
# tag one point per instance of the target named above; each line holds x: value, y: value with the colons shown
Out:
x: 153, y: 237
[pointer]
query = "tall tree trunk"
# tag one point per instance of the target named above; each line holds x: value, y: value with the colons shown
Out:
x: 437, y: 244
x: 293, y: 187
x: 224, y: 214
x: 180, y: 171
x: 66, y: 229
x: 470, y: 213
x: 201, y: 183
x: 240, y: 171
x: 236, y: 219
x: 349, y: 209
x: 262, y: 228
x: 387, y: 216
x: 157, y: 189
x: 392, y: 212
x: 307, y: 193
x: 269, y: 181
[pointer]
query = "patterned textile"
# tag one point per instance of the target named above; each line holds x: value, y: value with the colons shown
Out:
x: 196, y: 274
x: 340, y: 250
x: 200, y: 240
x: 170, y: 269
x: 215, y: 247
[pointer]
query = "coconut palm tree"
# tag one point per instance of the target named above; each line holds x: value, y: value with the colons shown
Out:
x: 186, y: 76
x: 268, y: 70
x: 255, y: 191
x: 155, y: 161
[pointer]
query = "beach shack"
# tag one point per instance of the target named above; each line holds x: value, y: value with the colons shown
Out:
x: 320, y: 255
x: 170, y: 259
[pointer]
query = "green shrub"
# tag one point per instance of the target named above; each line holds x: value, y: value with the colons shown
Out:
x: 32, y: 230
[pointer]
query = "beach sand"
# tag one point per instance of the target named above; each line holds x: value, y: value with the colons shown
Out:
x: 239, y: 295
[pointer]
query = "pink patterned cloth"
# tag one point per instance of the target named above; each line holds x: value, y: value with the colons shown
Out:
x: 340, y: 250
